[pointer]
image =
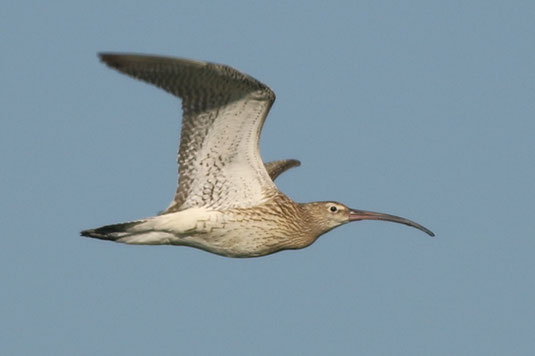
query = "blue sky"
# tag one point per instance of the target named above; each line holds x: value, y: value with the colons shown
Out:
x: 423, y: 109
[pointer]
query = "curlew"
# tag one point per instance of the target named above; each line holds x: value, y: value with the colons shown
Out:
x: 226, y: 202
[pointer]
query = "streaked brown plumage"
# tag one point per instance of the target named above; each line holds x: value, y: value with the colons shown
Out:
x: 226, y: 202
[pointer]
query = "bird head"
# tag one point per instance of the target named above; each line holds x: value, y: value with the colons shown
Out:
x: 328, y: 215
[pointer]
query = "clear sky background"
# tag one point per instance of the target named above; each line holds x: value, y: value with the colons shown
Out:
x: 424, y: 109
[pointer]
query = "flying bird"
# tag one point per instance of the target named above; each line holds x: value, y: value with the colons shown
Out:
x: 226, y: 201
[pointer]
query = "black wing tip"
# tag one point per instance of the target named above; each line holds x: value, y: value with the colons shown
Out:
x: 294, y: 162
x: 112, y: 59
x: 119, y: 60
x: 104, y: 56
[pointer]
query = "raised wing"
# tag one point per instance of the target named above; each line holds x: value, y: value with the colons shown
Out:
x: 276, y: 168
x: 223, y: 113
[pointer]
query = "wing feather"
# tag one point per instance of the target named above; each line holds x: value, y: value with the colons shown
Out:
x: 223, y: 114
x: 276, y: 168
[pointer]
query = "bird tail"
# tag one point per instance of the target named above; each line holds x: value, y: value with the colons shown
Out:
x: 140, y: 232
x: 113, y: 232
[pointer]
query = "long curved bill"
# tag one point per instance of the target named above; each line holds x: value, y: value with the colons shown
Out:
x: 356, y: 215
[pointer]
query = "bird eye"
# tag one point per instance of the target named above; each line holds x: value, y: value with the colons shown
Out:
x: 333, y: 209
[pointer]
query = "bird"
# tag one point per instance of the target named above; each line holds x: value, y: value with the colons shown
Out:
x: 226, y: 201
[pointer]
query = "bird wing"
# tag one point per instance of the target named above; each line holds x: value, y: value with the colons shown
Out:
x: 223, y: 113
x: 276, y: 168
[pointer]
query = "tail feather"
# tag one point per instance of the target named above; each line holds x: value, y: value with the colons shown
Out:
x: 141, y: 232
x: 112, y: 232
